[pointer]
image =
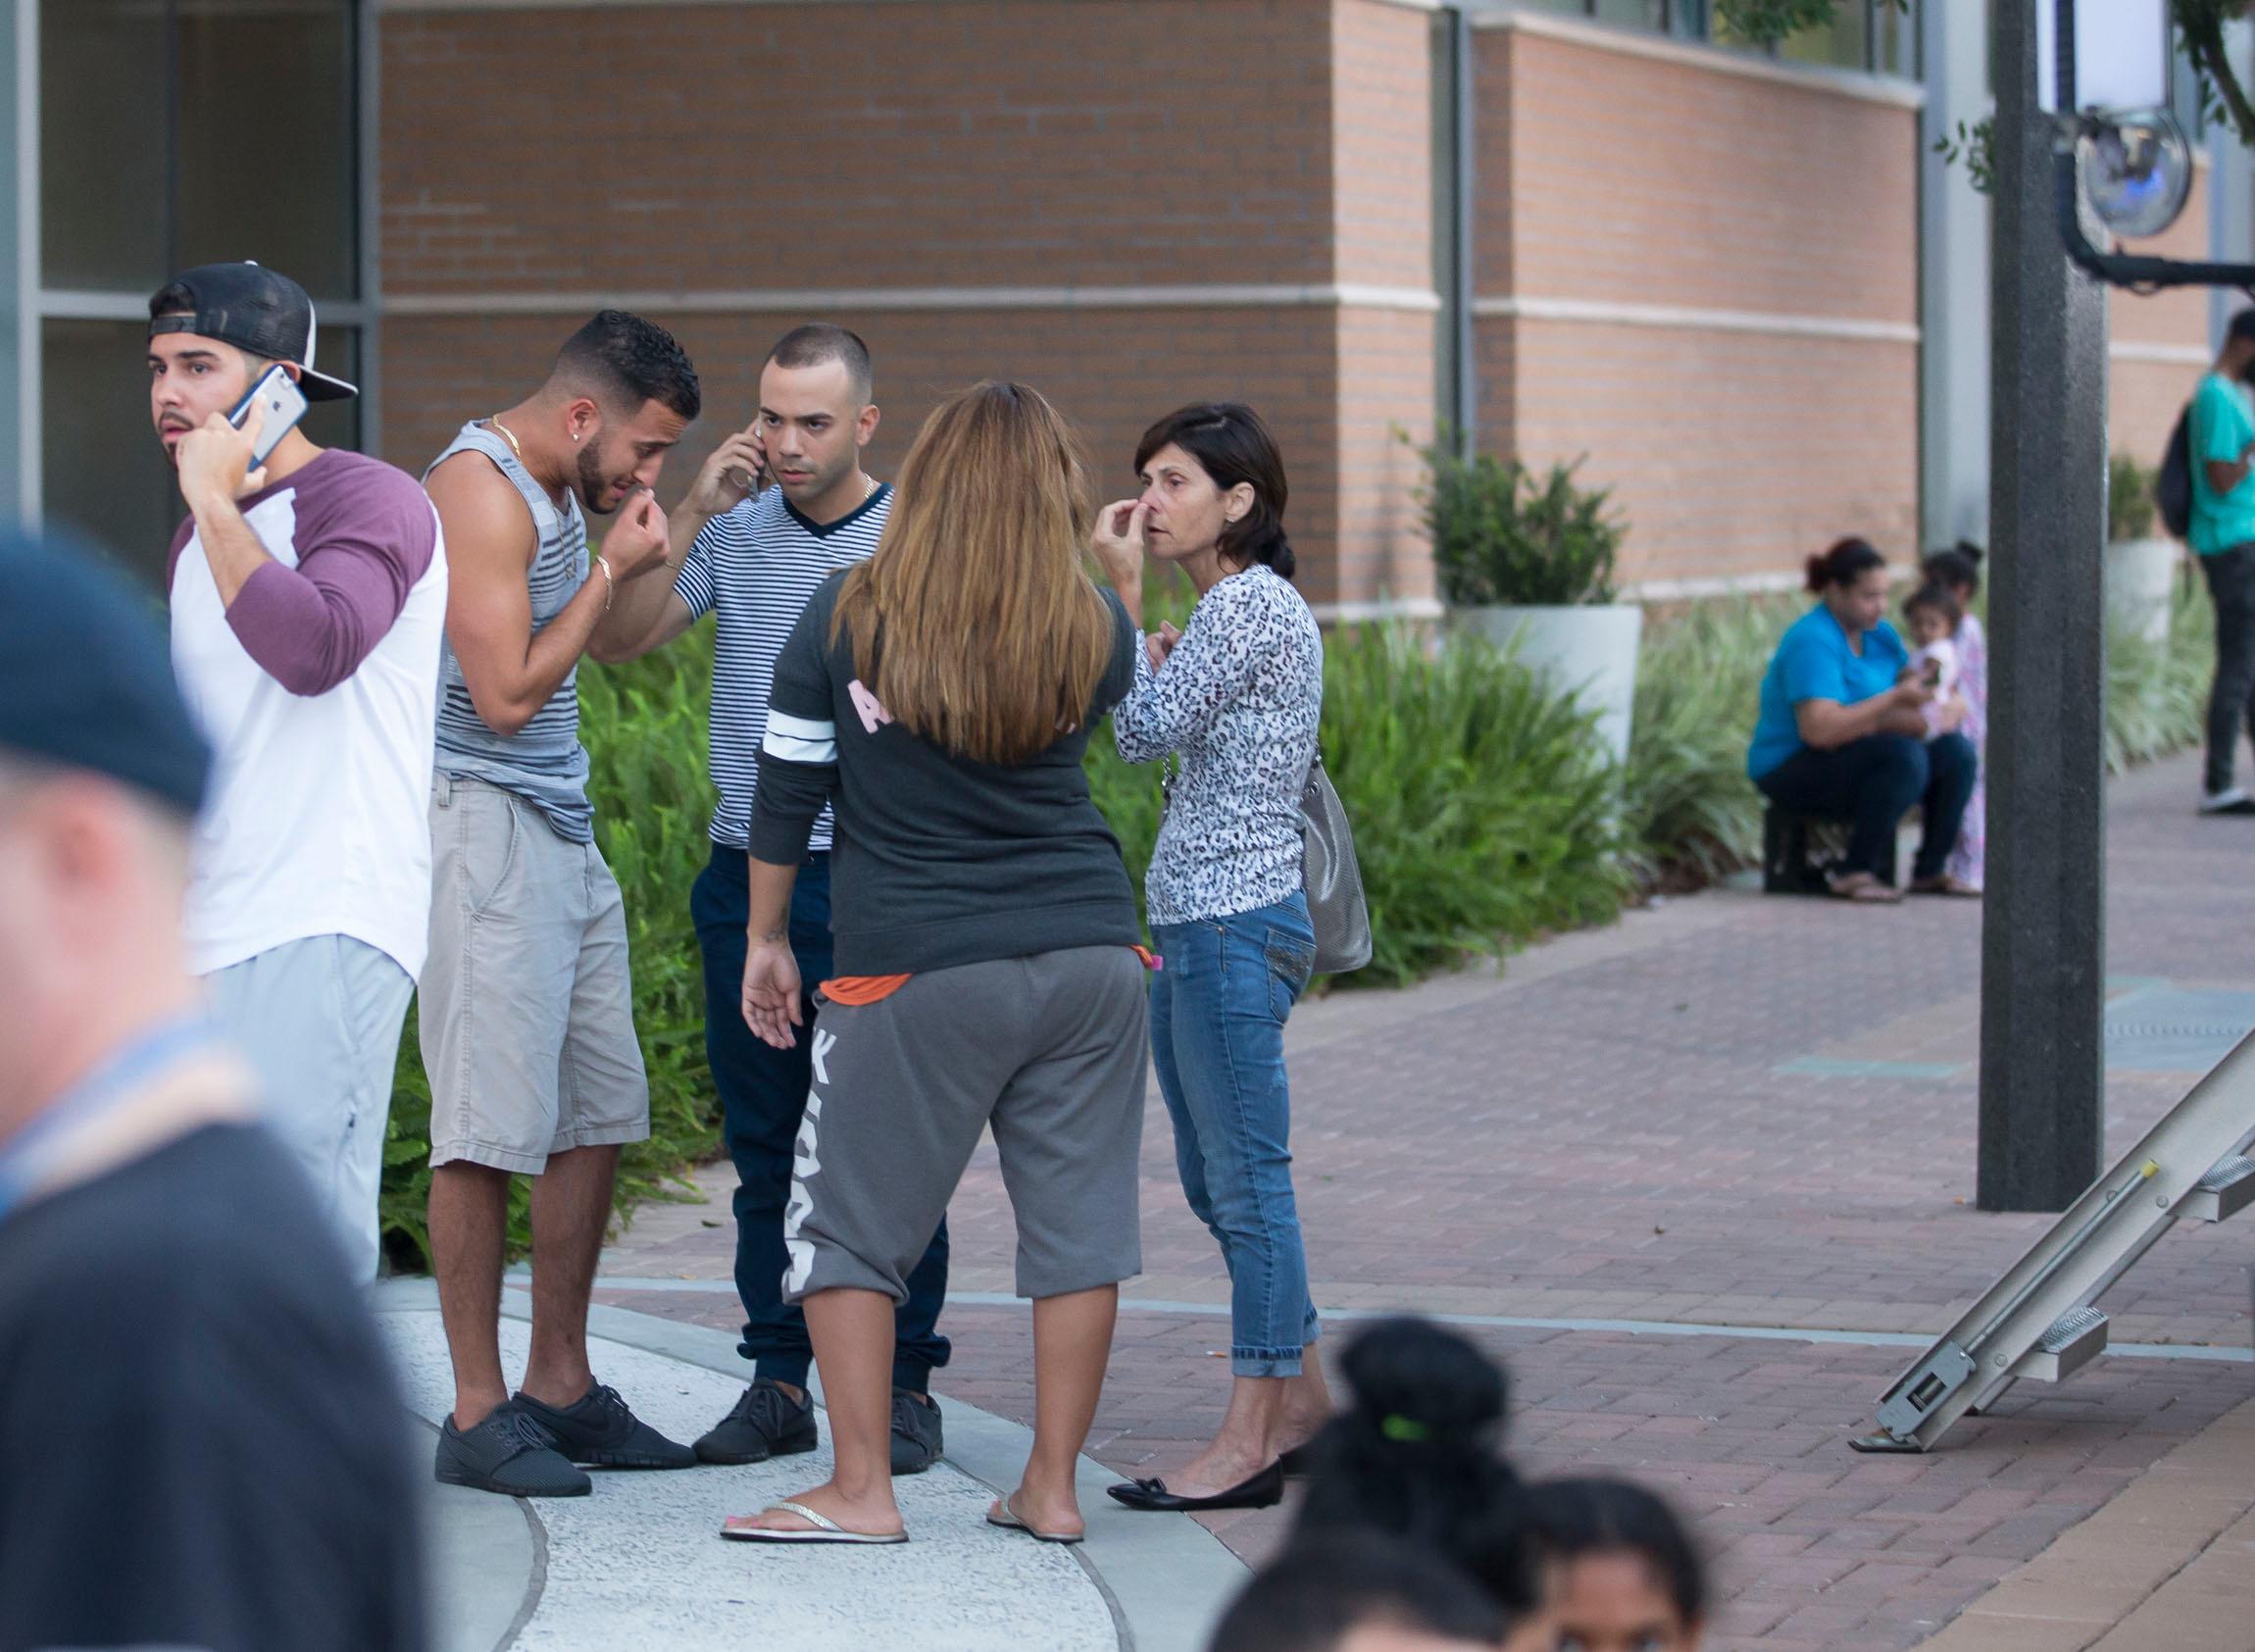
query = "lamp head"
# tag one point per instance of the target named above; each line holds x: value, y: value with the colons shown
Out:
x: 2136, y: 169
x: 2104, y: 72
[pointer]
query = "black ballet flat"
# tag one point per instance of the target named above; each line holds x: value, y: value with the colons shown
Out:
x: 1262, y: 1491
x: 1294, y: 1462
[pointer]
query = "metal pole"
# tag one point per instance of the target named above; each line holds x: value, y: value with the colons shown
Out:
x: 1455, y: 223
x: 2042, y: 1096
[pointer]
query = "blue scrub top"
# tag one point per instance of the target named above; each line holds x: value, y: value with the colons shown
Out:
x: 1814, y: 661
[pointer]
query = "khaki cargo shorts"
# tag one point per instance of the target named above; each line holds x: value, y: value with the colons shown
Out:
x: 525, y: 1007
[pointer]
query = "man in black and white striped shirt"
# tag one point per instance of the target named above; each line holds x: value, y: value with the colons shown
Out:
x: 753, y: 559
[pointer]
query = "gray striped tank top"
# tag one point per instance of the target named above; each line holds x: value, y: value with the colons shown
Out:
x: 545, y: 764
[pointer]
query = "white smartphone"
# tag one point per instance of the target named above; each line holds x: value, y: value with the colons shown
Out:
x: 284, y: 405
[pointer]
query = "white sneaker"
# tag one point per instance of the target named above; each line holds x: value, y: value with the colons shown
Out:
x: 2234, y: 800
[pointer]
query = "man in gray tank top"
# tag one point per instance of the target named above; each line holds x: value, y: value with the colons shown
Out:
x: 526, y: 1018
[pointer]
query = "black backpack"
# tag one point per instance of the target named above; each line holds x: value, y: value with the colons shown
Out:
x: 2173, y: 487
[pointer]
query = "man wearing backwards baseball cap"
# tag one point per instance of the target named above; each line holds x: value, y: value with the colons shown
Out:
x: 309, y: 596
x: 202, y: 1443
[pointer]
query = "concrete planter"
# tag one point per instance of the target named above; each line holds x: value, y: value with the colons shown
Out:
x: 2139, y: 573
x: 1591, y: 651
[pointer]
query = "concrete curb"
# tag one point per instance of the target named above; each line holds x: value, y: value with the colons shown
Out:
x: 1165, y: 1578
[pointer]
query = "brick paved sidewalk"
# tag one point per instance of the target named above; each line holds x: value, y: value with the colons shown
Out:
x: 1733, y: 1112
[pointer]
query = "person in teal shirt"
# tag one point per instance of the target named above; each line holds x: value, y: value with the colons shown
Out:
x: 1841, y: 732
x: 2222, y: 533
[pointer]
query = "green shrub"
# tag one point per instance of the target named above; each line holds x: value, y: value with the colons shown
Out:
x: 2131, y: 509
x: 644, y: 728
x: 2156, y: 694
x: 1687, y: 803
x: 1502, y: 537
x: 1485, y: 814
x: 1481, y: 802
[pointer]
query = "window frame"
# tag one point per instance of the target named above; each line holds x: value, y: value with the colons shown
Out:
x: 37, y: 302
x: 1693, y: 20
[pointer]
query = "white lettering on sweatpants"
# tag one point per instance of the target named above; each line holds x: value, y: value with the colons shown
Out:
x: 806, y: 1163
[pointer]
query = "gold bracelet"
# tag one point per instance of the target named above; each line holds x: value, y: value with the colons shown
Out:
x: 610, y: 585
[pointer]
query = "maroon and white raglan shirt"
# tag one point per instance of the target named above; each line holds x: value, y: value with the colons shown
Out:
x: 319, y: 691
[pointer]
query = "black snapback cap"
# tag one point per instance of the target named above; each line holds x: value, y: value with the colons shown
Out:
x: 253, y: 308
x: 86, y: 675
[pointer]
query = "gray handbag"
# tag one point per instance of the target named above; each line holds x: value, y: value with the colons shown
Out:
x: 1333, y: 878
x: 1328, y: 870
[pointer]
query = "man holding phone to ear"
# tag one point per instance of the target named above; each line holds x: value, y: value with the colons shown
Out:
x: 308, y: 600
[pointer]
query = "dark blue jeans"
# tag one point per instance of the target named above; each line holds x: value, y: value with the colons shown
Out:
x: 1872, y: 784
x: 763, y: 1098
x: 1219, y: 1004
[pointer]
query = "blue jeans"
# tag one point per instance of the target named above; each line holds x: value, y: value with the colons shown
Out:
x: 1219, y: 1004
x: 763, y: 1097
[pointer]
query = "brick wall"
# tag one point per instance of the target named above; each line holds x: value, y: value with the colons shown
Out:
x: 1661, y: 180
x: 975, y: 145
x: 792, y: 146
x: 1382, y: 147
x: 1110, y: 372
x: 2144, y: 395
x: 1383, y: 144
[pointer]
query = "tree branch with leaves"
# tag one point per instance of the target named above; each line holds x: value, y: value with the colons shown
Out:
x: 2201, y: 26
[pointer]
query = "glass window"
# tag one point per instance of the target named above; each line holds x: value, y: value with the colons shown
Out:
x: 265, y: 139
x: 1843, y: 43
x: 1634, y: 14
x: 1896, y: 49
x: 104, y: 473
x: 1722, y: 34
x: 105, y: 116
x: 185, y: 132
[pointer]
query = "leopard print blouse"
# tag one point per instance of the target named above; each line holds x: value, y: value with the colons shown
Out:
x: 1238, y: 700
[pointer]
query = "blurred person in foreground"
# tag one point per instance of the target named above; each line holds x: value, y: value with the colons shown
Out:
x: 202, y: 1441
x: 1416, y: 1456
x: 1623, y: 1572
x: 1368, y: 1592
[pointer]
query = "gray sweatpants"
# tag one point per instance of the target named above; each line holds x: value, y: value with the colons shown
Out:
x: 1049, y: 1050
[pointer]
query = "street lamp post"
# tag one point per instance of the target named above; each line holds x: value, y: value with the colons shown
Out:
x: 2042, y: 1071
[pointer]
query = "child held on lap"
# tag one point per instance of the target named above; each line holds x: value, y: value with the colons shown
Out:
x: 1931, y: 616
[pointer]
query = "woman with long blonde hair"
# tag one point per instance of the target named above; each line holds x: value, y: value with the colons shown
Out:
x: 941, y: 696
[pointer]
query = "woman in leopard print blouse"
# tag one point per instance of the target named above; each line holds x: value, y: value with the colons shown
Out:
x: 1236, y: 698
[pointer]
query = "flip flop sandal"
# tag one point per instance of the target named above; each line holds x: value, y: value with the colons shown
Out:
x: 1954, y: 888
x: 821, y: 1530
x: 1866, y: 890
x: 1006, y: 1518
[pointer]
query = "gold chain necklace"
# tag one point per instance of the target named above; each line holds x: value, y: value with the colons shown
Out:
x: 494, y: 419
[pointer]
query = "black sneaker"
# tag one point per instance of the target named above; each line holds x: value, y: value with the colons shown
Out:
x: 600, y: 1433
x: 508, y: 1453
x: 916, y: 1441
x: 765, y: 1422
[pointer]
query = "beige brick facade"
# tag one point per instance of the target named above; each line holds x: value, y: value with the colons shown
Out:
x: 1704, y: 286
x: 1698, y: 272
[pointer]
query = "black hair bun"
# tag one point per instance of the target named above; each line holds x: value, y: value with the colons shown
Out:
x: 1415, y: 1382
